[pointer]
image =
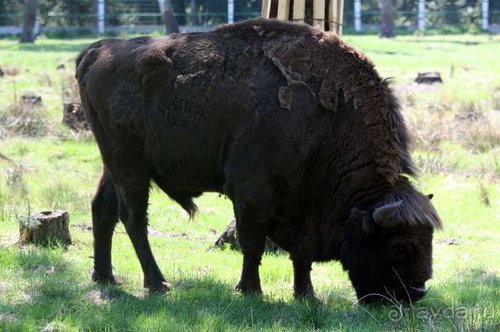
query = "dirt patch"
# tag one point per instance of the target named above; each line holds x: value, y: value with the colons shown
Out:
x: 157, y: 233
x: 100, y: 296
x: 7, y: 318
x: 55, y: 327
x: 449, y: 241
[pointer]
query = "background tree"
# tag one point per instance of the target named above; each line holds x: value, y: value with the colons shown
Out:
x: 29, y: 22
x: 386, y: 19
x: 167, y: 13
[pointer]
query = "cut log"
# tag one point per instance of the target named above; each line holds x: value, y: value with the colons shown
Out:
x: 229, y: 238
x: 429, y: 78
x: 74, y: 117
x: 46, y: 228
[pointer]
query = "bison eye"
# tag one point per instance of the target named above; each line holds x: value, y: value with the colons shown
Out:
x: 398, y: 252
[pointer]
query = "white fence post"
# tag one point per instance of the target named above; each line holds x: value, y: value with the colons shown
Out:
x: 230, y: 11
x: 100, y: 16
x: 485, y: 9
x: 357, y: 15
x: 421, y: 14
x: 36, y: 28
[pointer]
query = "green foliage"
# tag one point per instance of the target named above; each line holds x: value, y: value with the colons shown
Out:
x: 442, y: 15
x: 11, y: 12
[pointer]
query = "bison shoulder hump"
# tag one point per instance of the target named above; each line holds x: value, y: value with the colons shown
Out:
x: 90, y: 55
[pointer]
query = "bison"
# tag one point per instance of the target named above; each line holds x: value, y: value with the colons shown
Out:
x: 293, y: 125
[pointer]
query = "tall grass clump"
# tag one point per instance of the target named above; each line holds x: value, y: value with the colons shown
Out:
x: 465, y: 123
x: 495, y: 99
x: 69, y: 87
x: 23, y: 118
x: 13, y: 187
x: 61, y: 195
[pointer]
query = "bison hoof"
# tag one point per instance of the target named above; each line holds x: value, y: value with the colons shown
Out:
x: 104, y: 278
x: 163, y: 287
x: 304, y: 294
x: 246, y: 290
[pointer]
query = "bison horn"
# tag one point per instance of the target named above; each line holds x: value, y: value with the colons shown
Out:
x: 386, y: 216
x: 430, y: 196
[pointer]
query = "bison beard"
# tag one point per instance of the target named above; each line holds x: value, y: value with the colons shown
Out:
x: 293, y: 125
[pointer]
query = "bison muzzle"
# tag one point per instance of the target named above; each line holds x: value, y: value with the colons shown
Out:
x: 293, y: 125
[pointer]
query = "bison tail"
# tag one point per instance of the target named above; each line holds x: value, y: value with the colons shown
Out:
x: 183, y: 198
x: 188, y: 205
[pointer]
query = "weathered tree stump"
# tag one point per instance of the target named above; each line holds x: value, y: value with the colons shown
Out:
x: 74, y: 117
x: 32, y: 100
x: 229, y: 238
x: 45, y: 228
x: 429, y: 78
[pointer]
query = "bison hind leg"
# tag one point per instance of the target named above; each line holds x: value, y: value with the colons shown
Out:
x: 104, y: 219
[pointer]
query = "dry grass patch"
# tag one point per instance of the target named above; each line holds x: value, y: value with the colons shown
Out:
x: 467, y: 123
x: 24, y: 118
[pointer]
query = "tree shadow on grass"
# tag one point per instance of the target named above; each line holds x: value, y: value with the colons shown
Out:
x: 59, y: 292
x: 206, y: 304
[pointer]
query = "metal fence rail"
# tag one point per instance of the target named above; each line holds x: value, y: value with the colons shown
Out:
x: 143, y: 16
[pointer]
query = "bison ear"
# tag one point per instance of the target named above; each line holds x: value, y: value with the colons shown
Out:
x: 430, y: 196
x: 387, y: 215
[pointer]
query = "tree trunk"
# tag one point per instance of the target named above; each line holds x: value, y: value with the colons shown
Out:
x: 46, y: 228
x: 74, y: 117
x: 167, y: 14
x: 29, y: 22
x: 229, y: 237
x: 94, y: 11
x: 387, y: 19
x: 194, y: 12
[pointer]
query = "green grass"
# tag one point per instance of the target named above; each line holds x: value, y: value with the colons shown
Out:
x: 51, y: 288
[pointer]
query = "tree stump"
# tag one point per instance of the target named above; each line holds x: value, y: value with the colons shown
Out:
x: 45, y: 228
x: 229, y: 238
x: 31, y: 100
x: 429, y: 78
x: 74, y: 117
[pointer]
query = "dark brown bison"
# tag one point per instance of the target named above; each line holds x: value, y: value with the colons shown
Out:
x: 293, y: 125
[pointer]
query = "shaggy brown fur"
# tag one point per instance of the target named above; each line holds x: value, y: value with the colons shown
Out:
x: 293, y: 125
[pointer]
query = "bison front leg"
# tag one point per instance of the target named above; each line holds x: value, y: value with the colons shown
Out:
x: 251, y: 225
x: 252, y: 241
x: 302, y: 285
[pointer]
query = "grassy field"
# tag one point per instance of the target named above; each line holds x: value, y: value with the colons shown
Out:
x: 456, y: 134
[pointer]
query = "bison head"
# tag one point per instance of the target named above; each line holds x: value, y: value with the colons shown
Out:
x: 388, y: 249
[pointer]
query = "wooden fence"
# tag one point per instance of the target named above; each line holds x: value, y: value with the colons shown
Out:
x: 326, y: 15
